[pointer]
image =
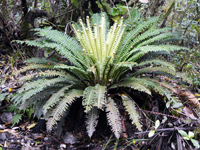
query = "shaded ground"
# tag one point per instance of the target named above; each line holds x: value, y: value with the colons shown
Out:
x: 71, y: 133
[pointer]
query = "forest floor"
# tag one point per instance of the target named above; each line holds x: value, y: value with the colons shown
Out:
x: 31, y: 134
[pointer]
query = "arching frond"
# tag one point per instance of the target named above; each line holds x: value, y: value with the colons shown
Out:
x: 91, y: 121
x: 156, y: 70
x: 158, y: 63
x: 129, y: 105
x: 134, y: 83
x: 100, y: 98
x: 113, y: 116
x: 55, y: 98
x: 62, y: 106
x: 89, y: 98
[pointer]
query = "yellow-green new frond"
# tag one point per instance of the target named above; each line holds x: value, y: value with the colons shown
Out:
x: 95, y: 42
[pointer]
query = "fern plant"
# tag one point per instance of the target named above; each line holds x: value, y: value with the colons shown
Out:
x: 100, y: 59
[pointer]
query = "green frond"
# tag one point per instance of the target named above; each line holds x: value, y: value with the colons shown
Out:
x: 66, y: 47
x: 54, y: 73
x: 36, y: 91
x: 63, y: 105
x: 41, y: 61
x: 91, y: 121
x: 157, y: 88
x: 75, y: 59
x: 33, y: 88
x: 55, y: 98
x: 46, y: 73
x: 37, y: 97
x: 79, y: 71
x: 147, y: 36
x: 17, y: 99
x: 126, y: 65
x: 163, y: 84
x: 150, y: 48
x: 17, y: 118
x: 131, y: 109
x: 42, y: 83
x: 158, y: 62
x: 63, y: 39
x: 156, y: 70
x: 134, y: 83
x: 38, y: 112
x: 160, y: 37
x: 104, y: 67
x: 113, y: 117
x: 88, y: 98
x: 31, y: 43
x: 35, y: 66
x: 100, y: 98
x: 141, y: 40
x: 133, y: 34
x: 28, y: 77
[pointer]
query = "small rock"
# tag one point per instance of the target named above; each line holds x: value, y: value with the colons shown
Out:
x: 3, y: 136
x: 69, y: 138
x: 6, y: 117
x: 23, y: 142
x: 18, y: 141
x: 62, y: 145
x: 46, y: 139
x: 2, y: 126
x: 12, y: 141
x: 16, y: 128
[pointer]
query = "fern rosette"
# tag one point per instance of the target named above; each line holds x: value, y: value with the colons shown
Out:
x: 102, y: 59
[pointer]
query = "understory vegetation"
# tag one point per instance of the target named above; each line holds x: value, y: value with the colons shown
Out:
x: 123, y: 62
